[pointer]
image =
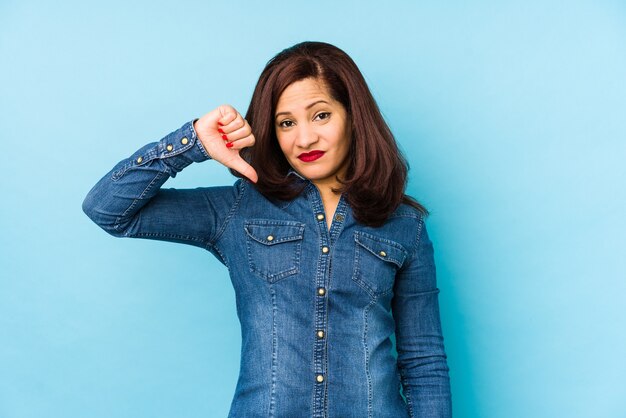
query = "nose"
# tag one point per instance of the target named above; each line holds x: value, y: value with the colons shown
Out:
x: 306, y: 136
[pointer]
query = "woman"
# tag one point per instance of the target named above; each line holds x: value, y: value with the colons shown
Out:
x: 327, y: 256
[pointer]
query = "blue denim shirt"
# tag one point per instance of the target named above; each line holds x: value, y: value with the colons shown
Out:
x: 317, y: 307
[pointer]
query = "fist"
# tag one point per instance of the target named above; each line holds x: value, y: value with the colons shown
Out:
x: 223, y: 132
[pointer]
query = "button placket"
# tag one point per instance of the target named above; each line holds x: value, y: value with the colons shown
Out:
x: 324, y: 269
x: 321, y: 312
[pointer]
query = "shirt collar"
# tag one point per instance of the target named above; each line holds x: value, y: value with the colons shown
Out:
x: 292, y: 171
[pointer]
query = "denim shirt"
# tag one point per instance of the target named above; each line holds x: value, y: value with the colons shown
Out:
x: 318, y: 307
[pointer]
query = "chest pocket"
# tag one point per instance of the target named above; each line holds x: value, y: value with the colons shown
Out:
x: 376, y: 262
x: 274, y: 247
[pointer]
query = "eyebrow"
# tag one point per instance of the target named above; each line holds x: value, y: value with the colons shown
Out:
x: 306, y: 108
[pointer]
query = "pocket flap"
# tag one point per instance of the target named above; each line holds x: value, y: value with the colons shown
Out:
x: 382, y: 248
x: 270, y: 232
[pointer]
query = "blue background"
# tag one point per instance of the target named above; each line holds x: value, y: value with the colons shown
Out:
x: 513, y: 118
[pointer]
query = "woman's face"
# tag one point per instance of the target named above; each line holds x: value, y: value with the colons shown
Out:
x: 309, y: 121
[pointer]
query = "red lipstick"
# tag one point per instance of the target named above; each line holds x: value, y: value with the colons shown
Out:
x: 310, y: 156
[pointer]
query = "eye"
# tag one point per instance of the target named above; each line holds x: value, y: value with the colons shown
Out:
x: 286, y: 124
x: 323, y: 115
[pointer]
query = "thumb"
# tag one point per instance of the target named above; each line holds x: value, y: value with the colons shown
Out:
x: 242, y: 166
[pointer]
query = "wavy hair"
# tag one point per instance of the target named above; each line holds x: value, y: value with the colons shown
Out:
x: 377, y: 171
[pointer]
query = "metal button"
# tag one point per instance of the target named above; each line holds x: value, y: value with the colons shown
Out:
x: 383, y: 254
x: 139, y: 160
x: 184, y: 141
x: 169, y: 147
x: 320, y: 378
x: 325, y: 249
x: 270, y: 237
x: 320, y: 334
x: 339, y: 217
x: 320, y: 216
x: 321, y: 291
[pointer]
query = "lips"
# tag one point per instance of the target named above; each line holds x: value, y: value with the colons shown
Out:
x: 310, y: 156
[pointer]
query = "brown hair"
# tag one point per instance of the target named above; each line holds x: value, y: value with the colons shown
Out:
x: 377, y: 171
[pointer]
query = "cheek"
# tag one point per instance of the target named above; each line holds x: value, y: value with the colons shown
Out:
x: 285, y: 147
x: 343, y: 144
x: 281, y: 142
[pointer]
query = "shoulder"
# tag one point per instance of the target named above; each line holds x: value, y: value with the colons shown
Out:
x: 412, y: 222
x: 405, y: 210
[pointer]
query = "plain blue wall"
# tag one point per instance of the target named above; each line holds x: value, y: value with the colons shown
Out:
x: 512, y: 115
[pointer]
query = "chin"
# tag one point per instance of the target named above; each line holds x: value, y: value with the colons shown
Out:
x: 313, y: 174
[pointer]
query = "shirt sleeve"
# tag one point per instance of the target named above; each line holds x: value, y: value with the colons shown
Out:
x: 419, y: 339
x: 129, y: 201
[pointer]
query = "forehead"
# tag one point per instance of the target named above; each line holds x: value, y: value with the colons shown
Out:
x: 300, y: 93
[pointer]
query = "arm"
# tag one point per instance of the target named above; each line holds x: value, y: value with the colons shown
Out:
x: 129, y: 202
x: 419, y: 340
